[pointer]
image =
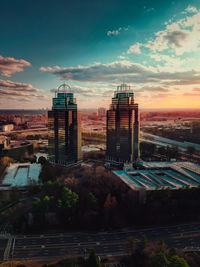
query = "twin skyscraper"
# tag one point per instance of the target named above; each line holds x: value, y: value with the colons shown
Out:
x: 64, y: 129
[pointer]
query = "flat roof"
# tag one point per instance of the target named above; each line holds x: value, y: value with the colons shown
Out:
x: 160, y: 175
x: 22, y: 174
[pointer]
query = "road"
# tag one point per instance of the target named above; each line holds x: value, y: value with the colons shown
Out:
x: 162, y: 141
x: 105, y: 243
x: 25, y: 130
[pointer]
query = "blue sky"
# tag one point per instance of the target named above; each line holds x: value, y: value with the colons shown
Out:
x: 95, y: 45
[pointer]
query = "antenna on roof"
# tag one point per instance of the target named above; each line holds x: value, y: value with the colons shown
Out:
x: 64, y: 87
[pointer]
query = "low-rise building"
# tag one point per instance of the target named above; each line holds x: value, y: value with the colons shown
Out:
x: 7, y: 127
x: 4, y: 142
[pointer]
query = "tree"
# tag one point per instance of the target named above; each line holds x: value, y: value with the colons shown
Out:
x: 162, y: 150
x: 92, y: 202
x: 144, y: 242
x: 4, y: 161
x: 14, y: 136
x: 174, y: 152
x: 162, y: 245
x: 172, y: 252
x: 160, y: 260
x: 93, y: 260
x: 42, y: 160
x: 147, y: 149
x: 176, y: 261
x: 132, y: 244
x: 69, y: 198
x: 191, y: 150
x: 110, y: 202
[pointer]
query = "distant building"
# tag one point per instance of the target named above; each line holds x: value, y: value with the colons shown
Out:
x: 17, y: 120
x: 17, y: 150
x: 101, y: 112
x: 122, y: 128
x: 35, y: 124
x: 7, y: 127
x: 4, y: 143
x: 64, y: 132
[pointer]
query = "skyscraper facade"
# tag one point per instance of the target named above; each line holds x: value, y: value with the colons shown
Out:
x: 64, y: 132
x: 122, y: 128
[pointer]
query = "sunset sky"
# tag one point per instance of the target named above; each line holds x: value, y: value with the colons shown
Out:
x: 95, y: 45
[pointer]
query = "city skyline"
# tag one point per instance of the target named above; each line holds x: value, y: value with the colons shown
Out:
x: 152, y: 46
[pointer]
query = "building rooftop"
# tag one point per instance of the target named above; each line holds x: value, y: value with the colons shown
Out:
x: 159, y: 175
x: 20, y: 175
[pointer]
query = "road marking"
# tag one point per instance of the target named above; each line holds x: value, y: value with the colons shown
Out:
x: 7, y: 249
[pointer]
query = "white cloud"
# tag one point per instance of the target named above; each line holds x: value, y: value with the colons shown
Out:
x: 118, y: 71
x: 169, y: 66
x: 122, y: 57
x: 153, y: 89
x: 190, y: 9
x: 16, y: 86
x: 10, y: 65
x: 16, y: 90
x: 178, y: 37
x: 134, y: 48
x: 118, y: 31
x: 114, y: 32
x: 147, y: 10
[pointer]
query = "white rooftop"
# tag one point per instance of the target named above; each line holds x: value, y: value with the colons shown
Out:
x: 22, y: 174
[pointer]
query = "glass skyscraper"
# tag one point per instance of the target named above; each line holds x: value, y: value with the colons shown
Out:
x: 122, y: 128
x: 64, y: 132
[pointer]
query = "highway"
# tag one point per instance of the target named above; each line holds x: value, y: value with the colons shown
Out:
x: 25, y: 130
x: 162, y: 141
x: 59, y: 245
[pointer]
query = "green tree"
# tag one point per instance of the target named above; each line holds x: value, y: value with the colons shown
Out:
x: 69, y: 198
x: 172, y: 252
x: 162, y: 245
x: 92, y: 202
x: 176, y: 261
x: 160, y: 260
x: 93, y: 260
